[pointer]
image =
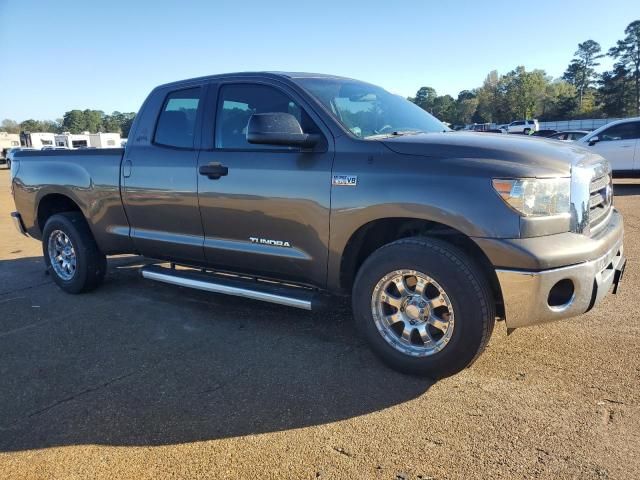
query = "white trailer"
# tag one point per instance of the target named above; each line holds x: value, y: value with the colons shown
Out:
x: 105, y: 140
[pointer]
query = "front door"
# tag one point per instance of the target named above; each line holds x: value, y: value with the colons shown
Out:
x: 265, y: 209
x: 160, y: 179
x: 618, y: 144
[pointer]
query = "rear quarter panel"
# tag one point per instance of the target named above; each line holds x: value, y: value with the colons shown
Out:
x: 91, y: 178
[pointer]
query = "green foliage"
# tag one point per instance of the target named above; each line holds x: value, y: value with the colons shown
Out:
x: 425, y: 98
x: 581, y: 72
x: 75, y: 121
x: 627, y: 54
x: 94, y: 121
x: 466, y: 106
x: 444, y: 107
x: 9, y: 126
x: 39, y: 126
x: 615, y: 95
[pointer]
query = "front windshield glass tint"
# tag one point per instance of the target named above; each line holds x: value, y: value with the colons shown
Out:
x: 368, y: 111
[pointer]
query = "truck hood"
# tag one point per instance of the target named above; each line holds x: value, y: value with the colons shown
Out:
x: 504, y: 154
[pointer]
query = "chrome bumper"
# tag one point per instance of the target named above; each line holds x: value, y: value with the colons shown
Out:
x: 526, y: 294
x: 17, y: 221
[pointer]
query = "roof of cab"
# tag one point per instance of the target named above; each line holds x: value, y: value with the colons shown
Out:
x: 288, y: 75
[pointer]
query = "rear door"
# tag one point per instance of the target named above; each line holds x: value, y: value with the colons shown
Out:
x: 269, y: 214
x: 618, y: 145
x: 159, y: 176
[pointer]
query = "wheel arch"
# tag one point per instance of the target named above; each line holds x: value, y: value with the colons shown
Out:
x: 376, y: 233
x: 52, y: 203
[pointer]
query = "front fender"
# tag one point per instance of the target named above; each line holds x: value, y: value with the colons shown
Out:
x: 414, y: 188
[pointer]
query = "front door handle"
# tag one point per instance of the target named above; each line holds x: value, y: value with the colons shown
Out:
x: 214, y: 170
x: 126, y: 168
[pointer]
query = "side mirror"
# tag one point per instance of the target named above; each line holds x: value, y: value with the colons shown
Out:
x: 278, y: 128
x: 593, y: 141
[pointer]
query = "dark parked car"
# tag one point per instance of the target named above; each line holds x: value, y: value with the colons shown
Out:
x: 543, y: 133
x: 287, y: 187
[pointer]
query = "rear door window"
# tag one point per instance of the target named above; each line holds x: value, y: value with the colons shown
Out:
x: 177, y: 120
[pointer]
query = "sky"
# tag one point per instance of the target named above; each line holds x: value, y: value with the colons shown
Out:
x: 60, y: 55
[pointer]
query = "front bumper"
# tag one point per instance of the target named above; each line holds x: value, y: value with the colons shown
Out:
x: 536, y: 296
x: 17, y: 221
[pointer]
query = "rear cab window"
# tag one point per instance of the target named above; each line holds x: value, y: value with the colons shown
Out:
x: 177, y: 120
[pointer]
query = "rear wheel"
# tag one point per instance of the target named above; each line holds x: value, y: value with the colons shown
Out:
x: 71, y: 254
x: 424, y: 307
x: 527, y: 131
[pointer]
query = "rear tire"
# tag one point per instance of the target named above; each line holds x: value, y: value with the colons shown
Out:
x: 527, y: 131
x: 71, y: 254
x: 451, y: 278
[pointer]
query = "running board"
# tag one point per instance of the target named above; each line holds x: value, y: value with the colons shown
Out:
x: 298, y: 297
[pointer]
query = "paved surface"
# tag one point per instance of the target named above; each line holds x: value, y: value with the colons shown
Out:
x: 143, y: 380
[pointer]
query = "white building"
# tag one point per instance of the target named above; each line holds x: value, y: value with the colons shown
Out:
x: 105, y: 140
x: 37, y: 139
x: 73, y: 140
x: 8, y: 140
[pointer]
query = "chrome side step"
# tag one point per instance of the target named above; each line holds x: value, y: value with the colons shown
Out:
x: 255, y: 290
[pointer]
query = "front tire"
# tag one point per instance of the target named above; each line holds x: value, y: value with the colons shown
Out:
x: 71, y: 253
x: 424, y: 306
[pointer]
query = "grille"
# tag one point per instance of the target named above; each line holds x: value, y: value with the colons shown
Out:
x: 600, y: 197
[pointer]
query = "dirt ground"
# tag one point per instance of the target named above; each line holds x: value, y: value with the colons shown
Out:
x: 142, y: 380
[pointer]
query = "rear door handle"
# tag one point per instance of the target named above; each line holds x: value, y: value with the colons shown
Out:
x: 214, y: 170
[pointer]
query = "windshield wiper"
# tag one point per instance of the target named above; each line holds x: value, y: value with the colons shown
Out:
x: 396, y: 133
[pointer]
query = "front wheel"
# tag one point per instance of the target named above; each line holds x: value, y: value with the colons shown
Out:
x: 424, y: 306
x: 71, y: 254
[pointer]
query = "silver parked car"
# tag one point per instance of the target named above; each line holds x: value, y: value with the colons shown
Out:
x: 569, y: 135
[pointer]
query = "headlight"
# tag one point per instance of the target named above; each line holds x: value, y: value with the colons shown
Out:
x: 535, y: 197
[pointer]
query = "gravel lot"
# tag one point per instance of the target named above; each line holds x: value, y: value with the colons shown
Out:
x: 143, y: 380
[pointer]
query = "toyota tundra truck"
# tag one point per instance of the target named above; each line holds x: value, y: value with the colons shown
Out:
x: 292, y: 188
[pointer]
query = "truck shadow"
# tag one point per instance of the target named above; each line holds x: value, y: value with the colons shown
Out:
x: 139, y: 363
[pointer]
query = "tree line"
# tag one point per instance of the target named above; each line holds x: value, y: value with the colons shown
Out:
x: 75, y: 121
x: 581, y: 92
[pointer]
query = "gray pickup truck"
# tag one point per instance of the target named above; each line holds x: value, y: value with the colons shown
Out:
x: 290, y: 187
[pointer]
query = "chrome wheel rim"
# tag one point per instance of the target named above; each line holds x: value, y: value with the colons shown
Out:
x: 412, y: 312
x: 62, y: 255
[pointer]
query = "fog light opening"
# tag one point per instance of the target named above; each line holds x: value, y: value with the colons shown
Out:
x: 561, y: 294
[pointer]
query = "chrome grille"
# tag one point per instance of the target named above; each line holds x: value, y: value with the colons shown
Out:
x: 600, y: 196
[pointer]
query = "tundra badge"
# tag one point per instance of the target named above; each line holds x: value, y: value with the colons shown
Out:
x: 268, y: 241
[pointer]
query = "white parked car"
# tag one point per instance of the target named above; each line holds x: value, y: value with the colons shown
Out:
x: 618, y: 142
x: 523, y: 126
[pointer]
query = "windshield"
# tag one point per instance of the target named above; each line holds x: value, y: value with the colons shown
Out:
x: 368, y: 111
